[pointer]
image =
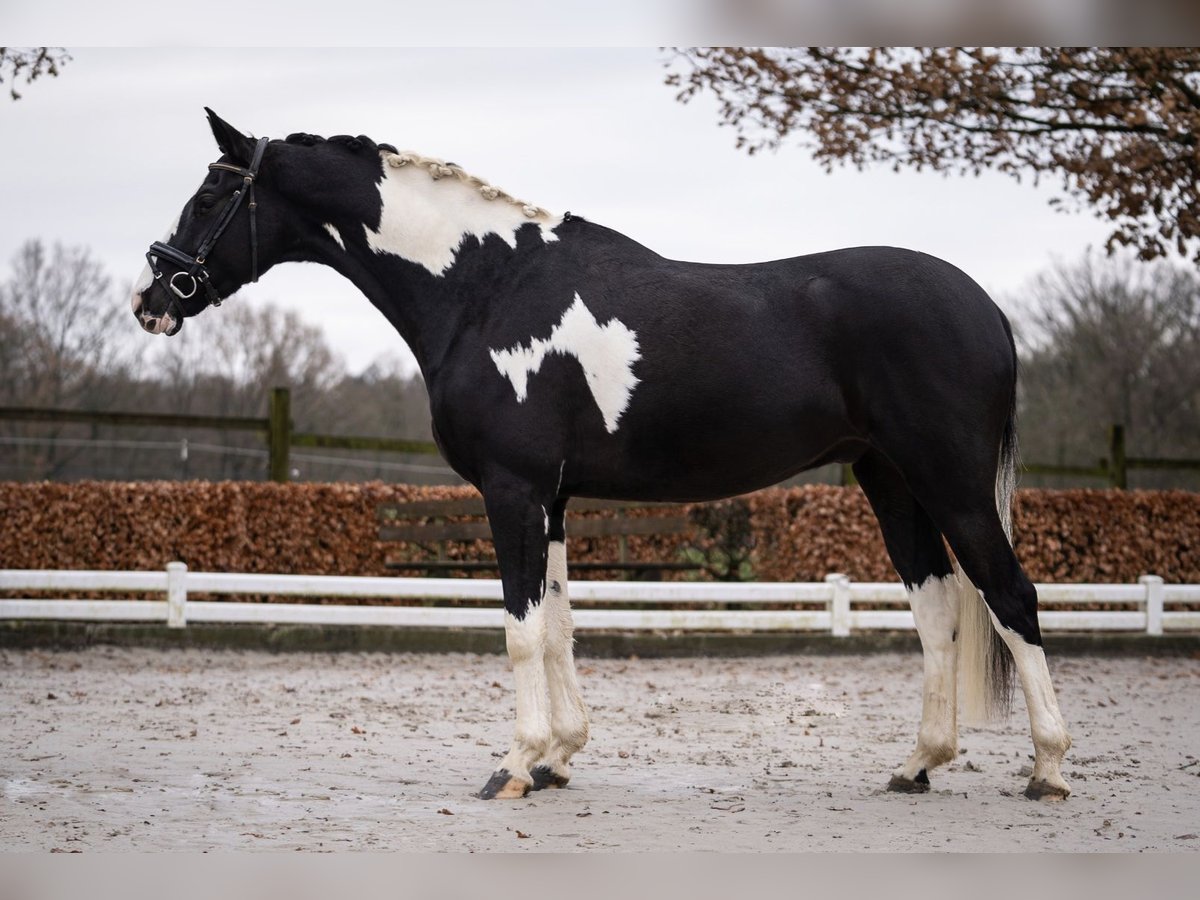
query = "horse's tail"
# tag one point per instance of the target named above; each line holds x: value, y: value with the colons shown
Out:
x: 985, y: 663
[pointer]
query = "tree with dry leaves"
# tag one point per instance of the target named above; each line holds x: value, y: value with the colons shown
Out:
x: 1119, y: 126
x: 30, y: 64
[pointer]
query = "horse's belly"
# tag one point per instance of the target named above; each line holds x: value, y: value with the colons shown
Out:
x: 713, y: 454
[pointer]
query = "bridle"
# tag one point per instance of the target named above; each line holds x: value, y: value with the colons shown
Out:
x: 195, y: 267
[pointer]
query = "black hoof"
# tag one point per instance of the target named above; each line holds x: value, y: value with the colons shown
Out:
x: 502, y: 786
x: 918, y: 785
x: 545, y: 777
x: 1044, y: 790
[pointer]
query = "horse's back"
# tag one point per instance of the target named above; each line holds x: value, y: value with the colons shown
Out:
x: 848, y: 322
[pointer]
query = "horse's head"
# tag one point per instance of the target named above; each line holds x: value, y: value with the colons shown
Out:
x: 228, y: 232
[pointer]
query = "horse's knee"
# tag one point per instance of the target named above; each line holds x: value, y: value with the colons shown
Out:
x: 525, y: 633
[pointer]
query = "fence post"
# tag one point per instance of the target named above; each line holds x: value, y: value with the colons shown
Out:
x: 176, y: 595
x: 279, y: 435
x: 839, y: 608
x: 1154, y: 603
x: 1116, y: 455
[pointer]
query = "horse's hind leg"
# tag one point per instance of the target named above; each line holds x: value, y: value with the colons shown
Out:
x: 568, y: 715
x: 916, y: 550
x: 972, y: 525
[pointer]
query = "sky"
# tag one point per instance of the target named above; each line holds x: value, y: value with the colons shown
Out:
x: 106, y: 154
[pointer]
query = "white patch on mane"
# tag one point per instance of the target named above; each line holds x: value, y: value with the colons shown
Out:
x: 606, y: 352
x: 425, y: 219
x: 335, y: 234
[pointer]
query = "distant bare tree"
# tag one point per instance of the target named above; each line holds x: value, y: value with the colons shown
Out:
x: 226, y: 361
x: 1111, y: 341
x: 67, y: 330
x: 67, y: 340
x: 60, y: 335
x: 386, y: 399
x: 30, y: 63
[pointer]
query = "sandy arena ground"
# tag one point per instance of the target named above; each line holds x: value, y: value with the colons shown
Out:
x: 118, y: 749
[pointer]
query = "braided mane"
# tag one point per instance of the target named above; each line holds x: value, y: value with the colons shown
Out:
x: 436, y: 168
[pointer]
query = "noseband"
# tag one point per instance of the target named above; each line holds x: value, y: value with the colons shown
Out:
x: 195, y: 267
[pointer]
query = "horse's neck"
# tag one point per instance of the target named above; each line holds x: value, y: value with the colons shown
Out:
x: 417, y: 265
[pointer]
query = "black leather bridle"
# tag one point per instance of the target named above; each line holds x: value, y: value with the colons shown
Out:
x: 195, y: 267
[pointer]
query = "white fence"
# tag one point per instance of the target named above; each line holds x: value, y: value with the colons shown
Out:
x: 839, y: 602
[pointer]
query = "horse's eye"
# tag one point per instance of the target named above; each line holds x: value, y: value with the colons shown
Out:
x: 205, y: 202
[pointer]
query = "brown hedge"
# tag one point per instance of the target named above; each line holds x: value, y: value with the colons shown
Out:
x: 796, y: 534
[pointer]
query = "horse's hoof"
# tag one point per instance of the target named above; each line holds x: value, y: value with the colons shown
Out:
x: 1044, y: 790
x: 545, y: 777
x: 901, y: 785
x: 503, y: 786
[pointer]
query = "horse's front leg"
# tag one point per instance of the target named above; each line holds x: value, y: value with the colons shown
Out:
x: 519, y: 515
x: 568, y: 715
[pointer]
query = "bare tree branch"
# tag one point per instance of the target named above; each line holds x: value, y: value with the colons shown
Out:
x: 30, y: 62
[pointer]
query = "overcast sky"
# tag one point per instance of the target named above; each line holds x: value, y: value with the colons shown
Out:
x: 106, y: 154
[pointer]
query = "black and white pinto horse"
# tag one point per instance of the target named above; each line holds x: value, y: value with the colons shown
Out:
x: 565, y: 360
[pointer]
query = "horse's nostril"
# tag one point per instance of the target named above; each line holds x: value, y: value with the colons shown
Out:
x: 151, y: 323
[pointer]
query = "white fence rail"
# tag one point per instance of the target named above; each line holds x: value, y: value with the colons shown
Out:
x: 838, y: 602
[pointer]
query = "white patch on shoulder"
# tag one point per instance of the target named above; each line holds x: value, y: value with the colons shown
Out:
x: 606, y: 352
x: 335, y: 234
x: 425, y: 220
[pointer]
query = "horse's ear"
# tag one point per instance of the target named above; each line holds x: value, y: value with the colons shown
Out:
x: 232, y: 142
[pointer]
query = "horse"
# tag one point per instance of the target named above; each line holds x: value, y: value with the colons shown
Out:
x: 564, y: 359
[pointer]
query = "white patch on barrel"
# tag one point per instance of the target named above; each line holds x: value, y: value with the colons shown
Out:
x: 425, y: 220
x: 606, y: 352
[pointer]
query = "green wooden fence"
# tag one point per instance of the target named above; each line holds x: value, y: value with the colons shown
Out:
x: 280, y: 434
x: 277, y: 429
x: 1116, y: 466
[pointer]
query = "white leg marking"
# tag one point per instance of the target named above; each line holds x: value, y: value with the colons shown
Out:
x: 526, y: 639
x: 568, y: 715
x: 606, y: 352
x: 935, y: 608
x: 1051, y: 741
